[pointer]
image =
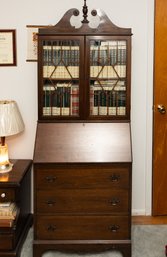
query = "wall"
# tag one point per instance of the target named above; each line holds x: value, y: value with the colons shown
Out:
x: 20, y: 82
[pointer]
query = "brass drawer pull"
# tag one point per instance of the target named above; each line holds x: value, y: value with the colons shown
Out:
x: 114, y: 201
x: 115, y: 177
x: 51, y: 228
x: 50, y: 202
x: 3, y: 195
x: 114, y: 228
x: 50, y: 179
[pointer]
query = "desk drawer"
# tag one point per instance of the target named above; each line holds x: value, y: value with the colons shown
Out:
x: 82, y: 227
x: 82, y: 201
x: 116, y: 176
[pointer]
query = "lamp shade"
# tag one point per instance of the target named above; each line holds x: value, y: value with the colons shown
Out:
x: 11, y: 122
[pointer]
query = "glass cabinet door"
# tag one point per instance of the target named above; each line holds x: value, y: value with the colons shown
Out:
x: 60, y: 77
x: 108, y: 78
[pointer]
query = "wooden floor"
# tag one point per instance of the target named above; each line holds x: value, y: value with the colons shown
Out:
x: 149, y: 220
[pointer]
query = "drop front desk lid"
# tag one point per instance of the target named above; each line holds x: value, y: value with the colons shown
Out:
x: 82, y: 143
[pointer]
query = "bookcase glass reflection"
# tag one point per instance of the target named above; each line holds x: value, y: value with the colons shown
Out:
x: 61, y: 78
x: 61, y: 60
x: 108, y: 77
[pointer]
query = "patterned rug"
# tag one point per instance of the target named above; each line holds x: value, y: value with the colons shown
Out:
x: 147, y: 241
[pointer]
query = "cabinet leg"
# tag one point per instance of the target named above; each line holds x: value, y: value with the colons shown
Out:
x: 126, y: 251
x: 37, y: 251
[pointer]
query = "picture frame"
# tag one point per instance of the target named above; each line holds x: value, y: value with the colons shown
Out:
x: 32, y: 42
x: 8, y: 47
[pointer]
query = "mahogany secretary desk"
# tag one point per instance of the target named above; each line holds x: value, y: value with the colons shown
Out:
x: 83, y: 156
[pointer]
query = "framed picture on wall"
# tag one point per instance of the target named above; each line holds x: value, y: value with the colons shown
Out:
x: 32, y: 42
x: 8, y: 47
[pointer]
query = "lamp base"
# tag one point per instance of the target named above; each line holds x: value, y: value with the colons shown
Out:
x: 5, y: 165
x: 6, y: 168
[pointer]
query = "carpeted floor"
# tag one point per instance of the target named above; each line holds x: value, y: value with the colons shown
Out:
x: 147, y: 241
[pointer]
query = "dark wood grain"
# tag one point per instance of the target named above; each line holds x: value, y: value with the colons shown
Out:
x: 83, y: 201
x: 13, y: 178
x: 92, y: 227
x: 17, y: 188
x: 105, y: 26
x: 70, y: 176
x: 82, y: 246
x: 82, y: 143
x: 82, y: 163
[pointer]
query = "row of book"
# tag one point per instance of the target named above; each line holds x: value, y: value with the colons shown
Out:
x: 108, y: 53
x: 117, y: 71
x: 101, y: 52
x: 72, y: 72
x: 61, y: 100
x: 107, y: 59
x: 8, y: 214
x: 61, y: 55
x: 58, y: 72
x: 106, y: 98
x: 107, y: 102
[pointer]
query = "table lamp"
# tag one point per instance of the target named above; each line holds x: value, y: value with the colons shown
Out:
x: 11, y: 123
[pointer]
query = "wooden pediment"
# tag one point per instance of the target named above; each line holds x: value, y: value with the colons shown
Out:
x: 104, y: 26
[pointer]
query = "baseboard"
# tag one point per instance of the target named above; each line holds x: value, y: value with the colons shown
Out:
x: 139, y: 212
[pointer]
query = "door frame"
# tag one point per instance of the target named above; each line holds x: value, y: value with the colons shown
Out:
x: 149, y: 110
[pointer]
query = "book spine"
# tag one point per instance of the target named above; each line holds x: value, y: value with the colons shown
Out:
x: 74, y: 100
x: 4, y: 223
x: 47, y: 99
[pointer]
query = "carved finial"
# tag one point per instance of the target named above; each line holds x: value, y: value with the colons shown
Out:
x: 85, y: 13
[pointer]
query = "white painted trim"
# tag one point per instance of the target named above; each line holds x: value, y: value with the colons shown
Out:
x: 137, y: 212
x: 149, y: 118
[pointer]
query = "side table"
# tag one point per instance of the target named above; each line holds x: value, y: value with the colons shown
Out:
x: 15, y: 186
